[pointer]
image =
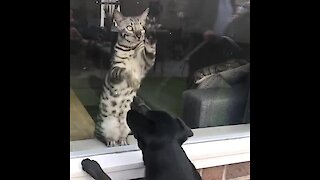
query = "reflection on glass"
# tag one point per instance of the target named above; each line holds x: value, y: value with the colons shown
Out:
x: 202, y: 68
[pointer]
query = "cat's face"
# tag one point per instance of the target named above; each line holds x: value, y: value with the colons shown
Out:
x: 131, y: 29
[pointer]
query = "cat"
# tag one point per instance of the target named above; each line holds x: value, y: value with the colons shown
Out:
x: 134, y: 54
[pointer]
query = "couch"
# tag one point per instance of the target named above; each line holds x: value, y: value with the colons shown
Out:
x: 221, y: 99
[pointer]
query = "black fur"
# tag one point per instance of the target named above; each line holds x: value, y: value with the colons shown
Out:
x: 94, y: 169
x: 160, y: 137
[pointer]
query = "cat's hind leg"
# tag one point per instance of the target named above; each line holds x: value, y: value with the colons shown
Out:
x: 111, y: 130
x: 125, y: 130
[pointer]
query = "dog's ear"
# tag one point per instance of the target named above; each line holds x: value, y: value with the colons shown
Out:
x: 136, y: 119
x: 184, y: 133
x: 137, y: 122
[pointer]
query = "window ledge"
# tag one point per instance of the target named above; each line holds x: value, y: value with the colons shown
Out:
x: 209, y: 147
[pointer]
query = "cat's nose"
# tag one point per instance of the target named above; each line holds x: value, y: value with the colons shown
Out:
x: 138, y: 34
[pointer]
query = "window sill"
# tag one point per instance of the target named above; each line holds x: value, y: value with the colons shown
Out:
x: 209, y: 147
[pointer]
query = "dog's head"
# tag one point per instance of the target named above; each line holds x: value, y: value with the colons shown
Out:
x: 157, y: 128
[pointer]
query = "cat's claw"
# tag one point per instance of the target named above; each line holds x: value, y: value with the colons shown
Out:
x: 123, y: 142
x: 111, y: 143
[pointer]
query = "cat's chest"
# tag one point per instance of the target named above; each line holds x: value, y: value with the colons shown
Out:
x: 136, y: 66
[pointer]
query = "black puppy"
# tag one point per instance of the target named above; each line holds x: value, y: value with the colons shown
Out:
x: 160, y: 137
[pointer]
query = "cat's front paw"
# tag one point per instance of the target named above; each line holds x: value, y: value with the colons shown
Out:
x: 117, y: 74
x: 150, y: 45
x: 151, y: 41
x: 133, y: 83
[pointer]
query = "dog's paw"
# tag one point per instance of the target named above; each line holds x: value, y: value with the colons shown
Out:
x: 92, y: 168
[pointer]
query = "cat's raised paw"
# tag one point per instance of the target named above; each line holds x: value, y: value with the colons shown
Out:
x: 151, y: 41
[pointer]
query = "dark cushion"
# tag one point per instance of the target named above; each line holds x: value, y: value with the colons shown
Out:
x: 215, y: 106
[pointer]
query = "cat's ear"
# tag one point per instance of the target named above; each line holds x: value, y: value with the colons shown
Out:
x: 144, y: 15
x: 118, y: 16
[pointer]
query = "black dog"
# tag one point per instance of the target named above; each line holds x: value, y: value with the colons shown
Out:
x: 160, y: 138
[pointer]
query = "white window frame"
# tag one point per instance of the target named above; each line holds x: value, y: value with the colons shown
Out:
x: 209, y: 147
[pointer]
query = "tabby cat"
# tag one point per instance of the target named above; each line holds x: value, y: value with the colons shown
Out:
x: 134, y: 54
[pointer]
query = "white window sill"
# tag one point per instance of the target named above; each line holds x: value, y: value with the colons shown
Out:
x: 208, y: 147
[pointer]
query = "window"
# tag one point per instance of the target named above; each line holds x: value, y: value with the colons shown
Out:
x: 201, y: 72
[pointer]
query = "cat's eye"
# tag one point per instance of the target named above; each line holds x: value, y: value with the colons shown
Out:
x: 129, y: 28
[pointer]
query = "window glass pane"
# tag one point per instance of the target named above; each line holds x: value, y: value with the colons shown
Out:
x: 201, y: 71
